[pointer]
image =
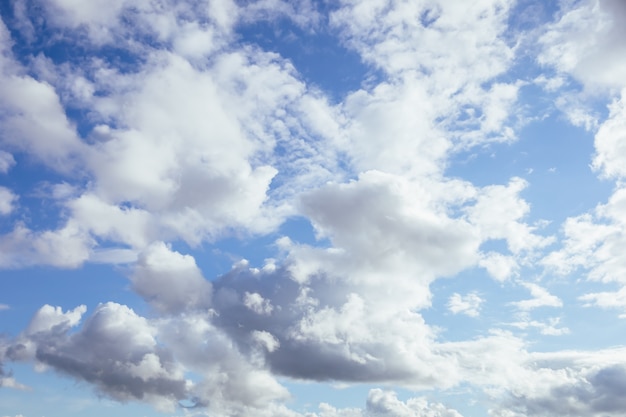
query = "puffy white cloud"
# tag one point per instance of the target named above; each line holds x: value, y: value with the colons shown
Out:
x: 195, y: 142
x: 383, y: 223
x: 385, y: 403
x: 586, y: 42
x: 34, y: 121
x: 498, y: 213
x: 468, y: 304
x: 7, y: 200
x: 610, y: 158
x: 402, y: 36
x: 67, y: 247
x: 170, y: 281
x: 593, y: 242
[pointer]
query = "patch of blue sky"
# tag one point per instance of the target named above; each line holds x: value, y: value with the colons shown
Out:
x: 560, y: 183
x: 316, y: 54
x: 307, y: 395
x: 34, y: 184
x: 218, y: 258
x: 28, y: 289
x: 61, y: 396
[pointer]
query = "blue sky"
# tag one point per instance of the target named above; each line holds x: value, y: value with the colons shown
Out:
x: 372, y: 208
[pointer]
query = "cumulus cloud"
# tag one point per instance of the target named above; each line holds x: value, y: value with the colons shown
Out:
x: 592, y: 243
x: 7, y: 201
x: 345, y: 336
x: 585, y: 42
x: 115, y: 350
x: 569, y: 383
x: 610, y: 157
x: 198, y: 136
x: 6, y: 162
x: 468, y: 304
x: 170, y: 281
x: 67, y: 247
x: 499, y: 211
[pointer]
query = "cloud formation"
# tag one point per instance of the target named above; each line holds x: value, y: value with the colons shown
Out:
x: 164, y: 131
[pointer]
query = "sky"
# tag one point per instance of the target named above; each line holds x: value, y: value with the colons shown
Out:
x: 347, y: 208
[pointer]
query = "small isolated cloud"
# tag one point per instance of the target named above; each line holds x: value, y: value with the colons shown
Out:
x: 468, y: 304
x: 541, y: 298
x: 4, y: 307
x: 7, y: 201
x: 6, y: 162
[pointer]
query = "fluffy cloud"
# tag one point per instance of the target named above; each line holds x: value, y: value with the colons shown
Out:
x: 33, y: 119
x: 592, y: 242
x: 115, y: 350
x: 67, y: 247
x: 586, y: 42
x: 7, y: 201
x: 170, y: 281
x: 6, y: 162
x: 498, y: 211
x: 569, y: 383
x: 382, y: 403
x: 195, y: 138
x: 468, y: 304
x: 610, y: 157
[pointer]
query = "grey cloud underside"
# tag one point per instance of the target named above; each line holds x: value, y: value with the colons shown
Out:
x: 114, y: 350
x: 109, y: 375
x: 600, y: 393
x: 296, y: 356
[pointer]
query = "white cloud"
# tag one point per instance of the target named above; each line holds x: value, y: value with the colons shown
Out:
x: 6, y: 162
x: 115, y: 350
x: 498, y: 213
x: 170, y: 281
x: 67, y: 247
x: 607, y: 299
x: 593, y: 242
x: 380, y: 225
x: 610, y: 141
x: 468, y: 304
x: 196, y: 141
x: 256, y: 303
x: 586, y: 42
x: 499, y: 266
x: 541, y: 298
x: 7, y: 201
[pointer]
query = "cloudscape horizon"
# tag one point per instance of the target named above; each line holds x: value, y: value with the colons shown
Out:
x: 351, y: 208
